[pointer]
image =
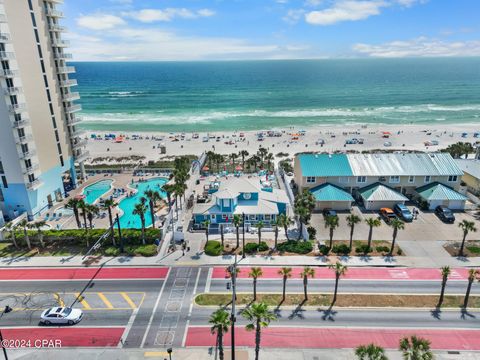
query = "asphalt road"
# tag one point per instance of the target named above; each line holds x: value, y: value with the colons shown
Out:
x: 456, y: 287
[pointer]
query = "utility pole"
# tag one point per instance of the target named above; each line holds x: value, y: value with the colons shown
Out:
x: 243, y: 238
x: 233, y: 273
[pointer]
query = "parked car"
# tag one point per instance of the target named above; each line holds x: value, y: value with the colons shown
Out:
x: 387, y: 214
x: 403, y: 212
x: 329, y: 212
x: 61, y: 315
x: 445, y: 214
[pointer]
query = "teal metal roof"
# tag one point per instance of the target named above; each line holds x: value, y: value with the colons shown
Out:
x: 324, y: 165
x: 437, y: 191
x: 380, y: 192
x: 329, y: 192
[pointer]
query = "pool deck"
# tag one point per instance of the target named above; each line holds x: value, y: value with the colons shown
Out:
x: 121, y: 181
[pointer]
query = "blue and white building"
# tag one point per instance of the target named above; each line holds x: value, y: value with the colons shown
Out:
x: 239, y: 196
x: 39, y: 139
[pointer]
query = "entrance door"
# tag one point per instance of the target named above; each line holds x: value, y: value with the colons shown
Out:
x: 50, y: 201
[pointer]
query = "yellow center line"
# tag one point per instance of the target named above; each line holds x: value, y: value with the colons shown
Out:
x: 128, y: 300
x: 105, y: 300
x: 154, y: 353
x: 82, y: 301
x: 59, y: 300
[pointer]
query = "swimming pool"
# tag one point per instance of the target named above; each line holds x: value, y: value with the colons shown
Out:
x: 128, y: 220
x: 95, y: 191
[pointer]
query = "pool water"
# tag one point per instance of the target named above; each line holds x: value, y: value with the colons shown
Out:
x: 95, y: 191
x: 128, y: 220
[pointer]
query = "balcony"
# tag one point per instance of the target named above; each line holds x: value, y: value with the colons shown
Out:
x: 62, y: 56
x: 23, y: 139
x: 73, y: 108
x: 8, y: 73
x: 74, y: 120
x: 54, y: 13
x: 56, y: 28
x: 6, y: 55
x: 13, y: 90
x: 60, y: 43
x: 16, y: 108
x: 4, y: 37
x: 34, y: 185
x: 81, y: 157
x: 79, y: 144
x: 31, y: 169
x: 69, y: 82
x: 21, y: 123
x: 28, y: 155
x: 72, y: 96
x: 65, y: 69
x: 77, y: 133
x: 59, y: 2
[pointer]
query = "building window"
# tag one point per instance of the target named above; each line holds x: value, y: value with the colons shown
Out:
x: 252, y: 217
x: 453, y: 178
x: 267, y: 217
x: 1, y: 168
x: 226, y: 203
x: 394, y: 179
x: 427, y: 179
x: 344, y: 179
x: 411, y: 179
x: 4, y: 182
x: 224, y: 216
x: 213, y: 216
x: 311, y: 179
x: 361, y: 179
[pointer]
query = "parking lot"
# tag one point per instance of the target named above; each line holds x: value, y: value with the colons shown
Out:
x: 427, y: 227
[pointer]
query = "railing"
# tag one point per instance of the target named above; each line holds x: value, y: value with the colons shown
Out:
x: 28, y: 154
x: 21, y: 123
x: 53, y: 13
x: 3, y: 18
x: 74, y: 120
x: 35, y: 184
x: 77, y: 133
x: 73, y: 108
x: 31, y: 169
x: 79, y: 144
x: 65, y: 69
x: 4, y: 37
x: 71, y: 96
x: 23, y: 139
x: 8, y: 72
x: 69, y: 82
x: 60, y: 43
x: 54, y: 1
x: 17, y: 107
x: 13, y: 90
x: 55, y: 27
x: 84, y: 155
x: 58, y: 55
x: 6, y: 55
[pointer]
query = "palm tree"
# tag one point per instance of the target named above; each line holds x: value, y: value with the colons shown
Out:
x: 255, y: 273
x: 285, y: 222
x: 140, y: 209
x: 259, y: 225
x: 276, y: 224
x: 152, y: 196
x: 73, y: 204
x: 38, y: 226
x: 372, y: 223
x: 82, y: 205
x: 91, y: 210
x: 243, y: 154
x: 466, y: 226
x: 169, y: 190
x: 269, y: 159
x: 222, y: 237
x: 352, y: 220
x: 396, y: 224
x: 220, y: 322
x: 207, y: 223
x: 255, y: 160
x: 237, y: 220
x: 233, y: 156
x: 307, y: 272
x: 331, y: 222
x: 286, y: 273
x: 10, y: 227
x: 370, y: 352
x: 445, y: 274
x: 258, y: 317
x: 24, y: 225
x: 415, y: 348
x: 472, y: 274
x: 339, y: 270
x: 304, y: 205
x: 108, y: 205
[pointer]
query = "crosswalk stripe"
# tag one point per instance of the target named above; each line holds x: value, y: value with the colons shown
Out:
x: 128, y: 300
x: 105, y: 300
x: 82, y: 301
x: 59, y: 299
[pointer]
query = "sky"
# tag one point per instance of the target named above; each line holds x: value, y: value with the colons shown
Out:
x: 171, y: 30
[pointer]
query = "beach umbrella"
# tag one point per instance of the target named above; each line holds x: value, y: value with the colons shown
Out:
x: 386, y: 133
x: 206, y: 168
x: 238, y: 168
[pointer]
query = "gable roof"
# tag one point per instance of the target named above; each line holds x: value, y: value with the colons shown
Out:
x: 471, y: 167
x: 437, y: 191
x: 330, y: 192
x: 324, y: 165
x: 380, y: 192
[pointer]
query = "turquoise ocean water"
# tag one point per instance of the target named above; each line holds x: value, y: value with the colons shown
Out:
x: 204, y: 96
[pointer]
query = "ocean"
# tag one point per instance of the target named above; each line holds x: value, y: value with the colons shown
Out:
x: 249, y: 95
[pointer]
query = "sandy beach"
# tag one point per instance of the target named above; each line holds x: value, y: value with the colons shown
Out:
x: 288, y: 140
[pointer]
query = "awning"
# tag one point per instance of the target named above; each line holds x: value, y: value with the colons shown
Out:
x: 437, y: 191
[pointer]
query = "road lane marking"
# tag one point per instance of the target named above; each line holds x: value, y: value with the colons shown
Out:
x: 190, y: 309
x: 59, y: 300
x: 209, y: 280
x: 82, y: 301
x: 131, y: 320
x: 105, y: 300
x: 155, y: 353
x: 128, y: 300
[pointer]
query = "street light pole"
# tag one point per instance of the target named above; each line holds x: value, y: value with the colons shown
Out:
x: 5, y: 311
x: 243, y: 236
x: 233, y: 273
x: 119, y: 233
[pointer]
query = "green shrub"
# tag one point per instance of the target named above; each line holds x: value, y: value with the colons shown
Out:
x: 363, y: 249
x: 474, y: 249
x: 146, y: 250
x: 382, y: 249
x: 298, y: 247
x: 342, y: 249
x: 112, y: 251
x: 263, y: 246
x: 324, y: 249
x: 251, y: 248
x: 399, y: 251
x: 312, y: 233
x: 213, y: 248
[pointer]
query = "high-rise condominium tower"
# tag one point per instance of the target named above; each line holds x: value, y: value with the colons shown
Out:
x: 39, y: 141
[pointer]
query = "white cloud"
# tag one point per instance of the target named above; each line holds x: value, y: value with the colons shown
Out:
x: 345, y: 10
x: 420, y: 47
x: 100, y: 21
x: 168, y: 14
x: 293, y: 16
